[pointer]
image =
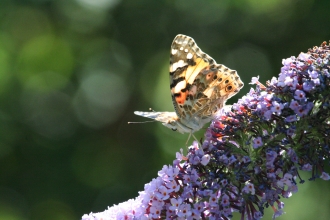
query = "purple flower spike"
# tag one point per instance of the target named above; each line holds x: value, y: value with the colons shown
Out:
x: 251, y: 156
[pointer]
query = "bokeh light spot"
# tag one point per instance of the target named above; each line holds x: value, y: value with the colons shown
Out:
x: 41, y: 59
x: 12, y: 205
x: 81, y: 17
x: 108, y: 55
x: 257, y: 6
x: 48, y: 114
x: 100, y: 99
x: 98, y: 4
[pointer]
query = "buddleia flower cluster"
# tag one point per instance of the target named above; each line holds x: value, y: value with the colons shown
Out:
x: 251, y: 156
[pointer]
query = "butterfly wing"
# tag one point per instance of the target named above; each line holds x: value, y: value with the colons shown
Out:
x: 164, y: 117
x: 199, y: 86
x: 168, y: 119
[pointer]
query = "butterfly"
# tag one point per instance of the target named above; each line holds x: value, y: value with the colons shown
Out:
x: 199, y: 87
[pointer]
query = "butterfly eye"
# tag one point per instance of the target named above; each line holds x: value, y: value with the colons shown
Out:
x: 174, y: 129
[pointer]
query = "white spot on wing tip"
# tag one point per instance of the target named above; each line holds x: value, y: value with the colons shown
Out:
x: 174, y: 51
x: 189, y: 56
x: 177, y: 65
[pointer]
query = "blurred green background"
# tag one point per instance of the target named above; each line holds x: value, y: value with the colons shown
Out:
x: 73, y: 71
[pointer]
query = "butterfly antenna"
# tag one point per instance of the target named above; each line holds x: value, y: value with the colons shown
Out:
x: 138, y: 122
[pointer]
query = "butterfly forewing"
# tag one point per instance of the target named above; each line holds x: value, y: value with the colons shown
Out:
x: 199, y: 86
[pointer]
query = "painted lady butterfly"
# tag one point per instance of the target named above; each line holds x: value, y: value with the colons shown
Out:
x: 199, y: 87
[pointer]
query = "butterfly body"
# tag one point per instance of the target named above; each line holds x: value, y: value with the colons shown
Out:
x: 199, y: 87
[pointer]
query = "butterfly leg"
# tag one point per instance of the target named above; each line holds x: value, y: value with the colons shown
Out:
x: 194, y: 137
x: 191, y: 134
x: 188, y: 138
